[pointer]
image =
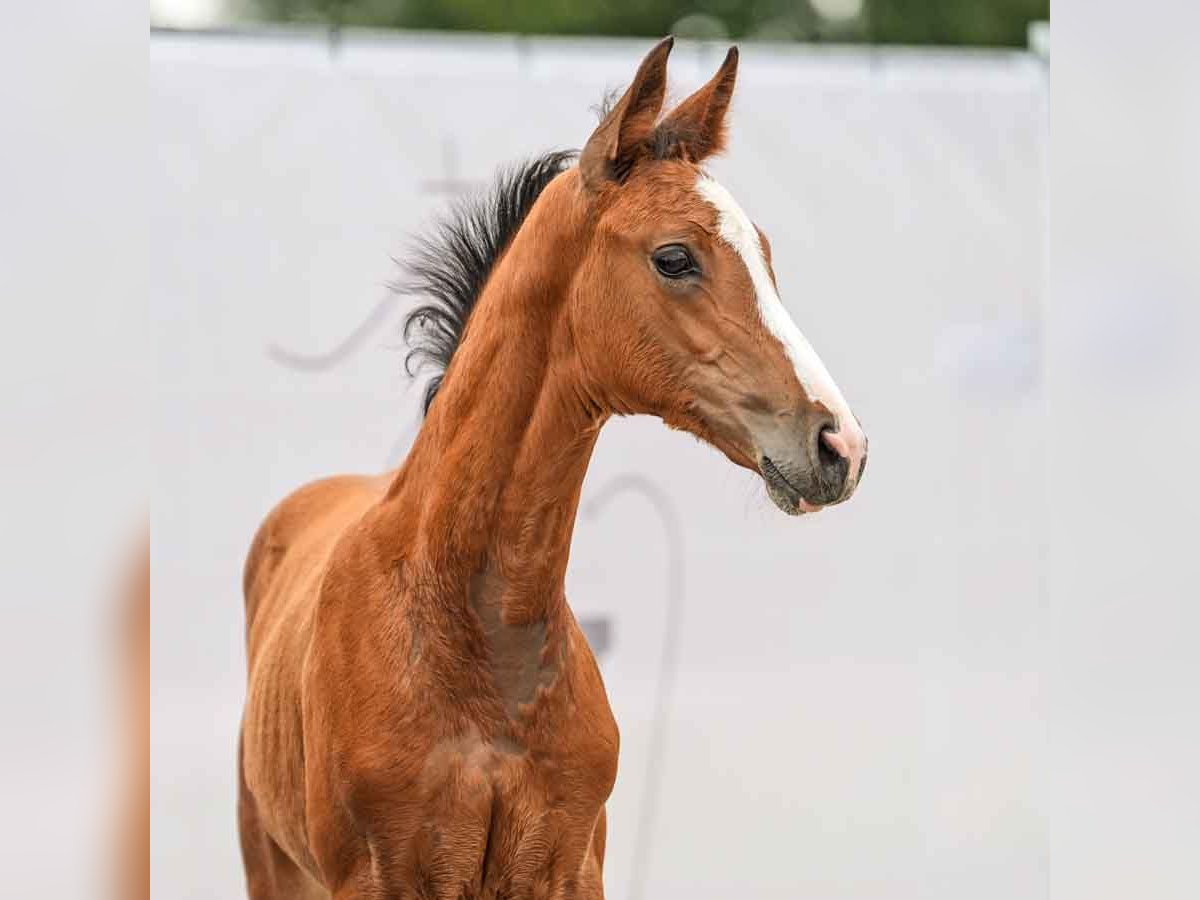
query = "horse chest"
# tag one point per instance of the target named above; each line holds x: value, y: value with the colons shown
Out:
x: 481, y: 769
x: 499, y: 822
x: 518, y: 811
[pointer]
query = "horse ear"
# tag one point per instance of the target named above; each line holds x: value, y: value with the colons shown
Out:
x: 697, y: 125
x: 613, y: 146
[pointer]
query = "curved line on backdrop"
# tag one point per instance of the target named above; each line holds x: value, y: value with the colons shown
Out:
x: 672, y: 527
x: 317, y: 362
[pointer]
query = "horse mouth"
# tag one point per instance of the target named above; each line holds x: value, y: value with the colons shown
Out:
x: 782, y: 492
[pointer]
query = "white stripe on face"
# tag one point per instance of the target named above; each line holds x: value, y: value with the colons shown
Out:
x: 739, y: 232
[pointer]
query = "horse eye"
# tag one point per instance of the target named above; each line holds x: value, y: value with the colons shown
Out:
x: 674, y: 261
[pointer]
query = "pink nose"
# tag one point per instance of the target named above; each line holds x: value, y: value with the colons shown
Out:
x: 850, y: 444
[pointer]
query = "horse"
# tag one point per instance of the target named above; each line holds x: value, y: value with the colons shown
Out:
x: 424, y: 717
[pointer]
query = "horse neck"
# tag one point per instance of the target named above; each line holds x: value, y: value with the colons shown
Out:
x: 494, y: 477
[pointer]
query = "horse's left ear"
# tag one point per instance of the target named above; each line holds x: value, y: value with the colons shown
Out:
x: 614, y: 145
x: 697, y: 125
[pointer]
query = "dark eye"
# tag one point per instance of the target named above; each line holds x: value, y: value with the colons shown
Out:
x: 674, y: 261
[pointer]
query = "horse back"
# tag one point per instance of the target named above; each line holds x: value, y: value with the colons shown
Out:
x: 299, y: 533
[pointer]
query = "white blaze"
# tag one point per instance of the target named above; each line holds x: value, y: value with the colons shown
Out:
x: 739, y: 232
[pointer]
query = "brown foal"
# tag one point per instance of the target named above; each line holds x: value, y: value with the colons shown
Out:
x: 424, y: 717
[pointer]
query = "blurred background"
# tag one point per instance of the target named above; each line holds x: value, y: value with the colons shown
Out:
x: 852, y: 705
x: 958, y: 22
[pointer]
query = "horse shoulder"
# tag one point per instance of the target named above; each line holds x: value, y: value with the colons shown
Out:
x: 282, y: 577
x: 368, y: 725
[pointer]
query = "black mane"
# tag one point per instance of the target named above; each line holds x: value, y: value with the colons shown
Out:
x: 449, y: 268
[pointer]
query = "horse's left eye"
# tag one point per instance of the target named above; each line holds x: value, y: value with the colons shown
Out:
x: 674, y: 261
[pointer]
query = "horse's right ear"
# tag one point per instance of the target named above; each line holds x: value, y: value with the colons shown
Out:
x: 611, y: 150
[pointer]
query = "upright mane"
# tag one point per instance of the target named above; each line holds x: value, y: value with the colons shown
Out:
x: 449, y: 267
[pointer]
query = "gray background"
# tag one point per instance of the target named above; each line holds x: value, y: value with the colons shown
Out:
x: 859, y: 709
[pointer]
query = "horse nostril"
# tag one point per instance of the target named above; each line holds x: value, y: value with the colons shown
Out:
x: 826, y: 454
x: 835, y: 467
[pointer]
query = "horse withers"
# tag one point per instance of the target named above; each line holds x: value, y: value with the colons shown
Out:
x: 424, y: 717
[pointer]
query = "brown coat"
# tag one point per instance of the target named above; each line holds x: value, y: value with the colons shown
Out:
x: 424, y: 717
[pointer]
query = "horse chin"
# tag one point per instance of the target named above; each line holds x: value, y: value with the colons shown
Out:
x: 783, y: 493
x: 793, y: 506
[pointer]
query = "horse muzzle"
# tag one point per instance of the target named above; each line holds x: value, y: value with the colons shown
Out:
x: 825, y: 468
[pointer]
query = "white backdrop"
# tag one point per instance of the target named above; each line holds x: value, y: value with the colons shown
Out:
x: 858, y: 709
